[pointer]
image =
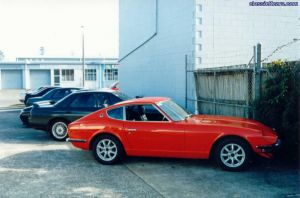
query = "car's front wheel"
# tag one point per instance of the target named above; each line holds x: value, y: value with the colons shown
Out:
x: 232, y: 154
x: 59, y: 130
x: 107, y: 149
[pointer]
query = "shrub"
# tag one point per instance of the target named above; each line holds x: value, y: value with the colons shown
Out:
x: 278, y: 106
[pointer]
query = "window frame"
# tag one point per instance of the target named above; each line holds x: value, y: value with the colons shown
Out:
x: 111, y: 73
x: 90, y: 74
x: 67, y: 75
x: 124, y: 113
x: 140, y: 121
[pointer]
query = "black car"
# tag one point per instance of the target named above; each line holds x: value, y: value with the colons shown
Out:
x: 39, y: 92
x: 55, y: 118
x: 52, y: 96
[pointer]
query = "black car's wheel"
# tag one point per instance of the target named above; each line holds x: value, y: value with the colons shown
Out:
x: 232, y: 154
x: 107, y: 149
x: 59, y: 130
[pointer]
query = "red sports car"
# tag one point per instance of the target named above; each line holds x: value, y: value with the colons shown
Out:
x: 158, y: 127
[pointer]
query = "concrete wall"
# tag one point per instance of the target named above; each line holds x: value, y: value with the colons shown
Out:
x: 230, y: 28
x: 157, y: 68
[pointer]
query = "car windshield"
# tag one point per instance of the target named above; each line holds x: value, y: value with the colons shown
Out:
x: 176, y: 112
x: 122, y: 95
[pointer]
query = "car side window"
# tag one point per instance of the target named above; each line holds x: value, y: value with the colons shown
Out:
x: 84, y: 101
x: 143, y: 113
x: 114, y: 99
x: 116, y: 113
x: 103, y: 99
x: 60, y: 93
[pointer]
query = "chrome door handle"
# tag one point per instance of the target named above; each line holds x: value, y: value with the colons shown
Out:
x: 131, y: 130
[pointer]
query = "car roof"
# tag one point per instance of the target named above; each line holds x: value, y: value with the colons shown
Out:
x: 94, y: 91
x: 143, y: 100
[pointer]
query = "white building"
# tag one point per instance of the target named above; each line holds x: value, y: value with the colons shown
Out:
x: 31, y: 73
x: 156, y: 35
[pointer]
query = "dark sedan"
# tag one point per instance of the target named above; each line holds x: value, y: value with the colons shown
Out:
x: 38, y: 93
x: 52, y: 96
x: 55, y: 118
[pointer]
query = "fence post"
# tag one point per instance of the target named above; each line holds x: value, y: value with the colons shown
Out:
x: 257, y: 75
x: 215, y: 92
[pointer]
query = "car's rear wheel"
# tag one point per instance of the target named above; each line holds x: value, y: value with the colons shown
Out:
x: 107, y: 149
x: 59, y: 130
x: 232, y: 154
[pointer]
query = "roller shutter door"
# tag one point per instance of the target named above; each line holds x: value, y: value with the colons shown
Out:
x: 39, y: 78
x: 11, y: 79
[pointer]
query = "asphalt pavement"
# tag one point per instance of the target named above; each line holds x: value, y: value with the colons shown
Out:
x: 33, y: 165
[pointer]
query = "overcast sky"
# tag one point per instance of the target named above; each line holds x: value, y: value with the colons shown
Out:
x: 26, y: 25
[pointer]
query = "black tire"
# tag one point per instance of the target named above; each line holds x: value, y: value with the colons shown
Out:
x: 58, y: 129
x: 112, y: 149
x: 232, y: 154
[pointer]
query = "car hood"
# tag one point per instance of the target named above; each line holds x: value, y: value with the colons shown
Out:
x: 226, y: 121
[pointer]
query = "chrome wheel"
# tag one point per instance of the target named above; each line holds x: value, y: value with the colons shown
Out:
x: 107, y: 150
x: 232, y: 155
x: 59, y: 130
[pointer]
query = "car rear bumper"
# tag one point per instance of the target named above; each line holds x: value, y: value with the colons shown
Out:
x: 270, y: 148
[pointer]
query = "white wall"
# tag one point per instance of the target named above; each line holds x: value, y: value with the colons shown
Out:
x: 231, y: 28
x: 158, y: 67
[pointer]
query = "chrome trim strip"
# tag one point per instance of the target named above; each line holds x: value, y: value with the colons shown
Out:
x: 74, y: 140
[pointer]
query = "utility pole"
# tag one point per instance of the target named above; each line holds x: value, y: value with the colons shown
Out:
x: 83, y: 63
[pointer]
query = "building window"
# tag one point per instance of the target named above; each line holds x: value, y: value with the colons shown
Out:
x: 111, y: 73
x: 67, y: 74
x: 56, y: 77
x: 199, y: 7
x: 199, y: 34
x: 198, y: 60
x: 199, y: 21
x: 90, y: 74
x: 199, y: 47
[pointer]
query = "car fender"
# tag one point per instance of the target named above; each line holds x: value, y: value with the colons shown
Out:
x: 120, y: 137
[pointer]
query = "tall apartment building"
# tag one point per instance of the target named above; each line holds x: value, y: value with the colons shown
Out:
x: 156, y: 36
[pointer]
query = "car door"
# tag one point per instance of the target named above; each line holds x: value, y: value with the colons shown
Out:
x: 81, y: 105
x: 150, y: 133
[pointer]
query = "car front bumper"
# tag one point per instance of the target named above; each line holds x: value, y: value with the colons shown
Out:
x: 270, y: 148
x: 24, y: 117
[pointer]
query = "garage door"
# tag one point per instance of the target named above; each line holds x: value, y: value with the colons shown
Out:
x: 39, y: 78
x: 11, y: 79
